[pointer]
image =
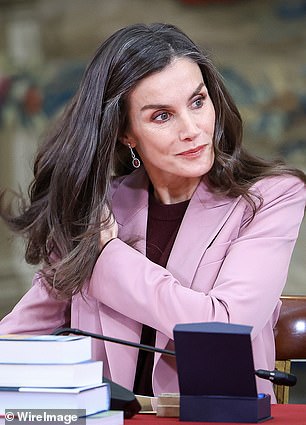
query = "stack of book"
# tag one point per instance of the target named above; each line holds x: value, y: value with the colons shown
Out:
x: 51, y: 372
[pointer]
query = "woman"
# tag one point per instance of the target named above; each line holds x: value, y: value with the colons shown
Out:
x: 199, y: 231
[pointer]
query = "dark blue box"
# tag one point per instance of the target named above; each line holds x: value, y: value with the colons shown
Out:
x: 216, y: 374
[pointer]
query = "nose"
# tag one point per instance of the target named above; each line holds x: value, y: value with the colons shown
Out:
x: 188, y: 126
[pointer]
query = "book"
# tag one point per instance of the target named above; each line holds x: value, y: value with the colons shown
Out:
x: 168, y: 405
x: 44, y: 349
x: 51, y: 375
x: 93, y: 399
x: 110, y: 417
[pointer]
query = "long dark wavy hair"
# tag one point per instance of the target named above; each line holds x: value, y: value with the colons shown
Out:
x: 81, y: 153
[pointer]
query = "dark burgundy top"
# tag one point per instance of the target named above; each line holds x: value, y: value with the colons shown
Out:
x: 163, y: 224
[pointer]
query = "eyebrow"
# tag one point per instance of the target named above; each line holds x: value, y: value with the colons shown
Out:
x: 163, y: 106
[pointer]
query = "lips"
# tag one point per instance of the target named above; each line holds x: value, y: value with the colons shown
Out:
x: 194, y: 151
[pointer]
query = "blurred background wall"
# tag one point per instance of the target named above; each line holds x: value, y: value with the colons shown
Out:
x: 258, y: 45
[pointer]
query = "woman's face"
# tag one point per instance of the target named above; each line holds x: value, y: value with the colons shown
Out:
x: 171, y: 124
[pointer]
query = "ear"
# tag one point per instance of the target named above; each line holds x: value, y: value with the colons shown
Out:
x: 128, y: 139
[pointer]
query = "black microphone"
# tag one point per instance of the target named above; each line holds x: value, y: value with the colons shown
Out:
x: 277, y: 377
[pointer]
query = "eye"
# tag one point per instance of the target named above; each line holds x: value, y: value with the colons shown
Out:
x: 162, y: 116
x: 198, y: 102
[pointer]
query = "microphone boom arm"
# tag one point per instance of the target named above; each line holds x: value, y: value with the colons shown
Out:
x: 279, y: 378
x: 61, y: 331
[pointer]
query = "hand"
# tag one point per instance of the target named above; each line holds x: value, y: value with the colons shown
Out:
x: 109, y: 232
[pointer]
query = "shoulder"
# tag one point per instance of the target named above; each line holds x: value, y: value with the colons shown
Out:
x: 280, y: 199
x: 278, y: 188
x: 116, y: 183
x: 138, y: 179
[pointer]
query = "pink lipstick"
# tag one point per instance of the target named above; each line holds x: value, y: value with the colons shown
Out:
x: 193, y: 152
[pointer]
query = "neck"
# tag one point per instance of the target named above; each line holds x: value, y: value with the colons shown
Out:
x: 177, y: 192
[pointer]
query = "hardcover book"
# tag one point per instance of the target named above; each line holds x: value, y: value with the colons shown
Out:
x: 93, y: 399
x: 51, y: 375
x: 44, y: 349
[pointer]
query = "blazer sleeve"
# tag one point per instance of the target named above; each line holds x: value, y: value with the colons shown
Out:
x: 38, y: 312
x: 248, y: 285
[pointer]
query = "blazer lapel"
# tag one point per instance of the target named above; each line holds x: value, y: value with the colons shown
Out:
x: 130, y: 206
x: 205, y: 216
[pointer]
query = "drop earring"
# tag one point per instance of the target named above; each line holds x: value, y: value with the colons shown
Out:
x: 135, y: 161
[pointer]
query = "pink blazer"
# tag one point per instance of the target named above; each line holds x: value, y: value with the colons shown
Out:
x: 222, y: 268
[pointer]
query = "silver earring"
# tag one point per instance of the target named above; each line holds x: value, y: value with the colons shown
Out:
x: 135, y: 161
